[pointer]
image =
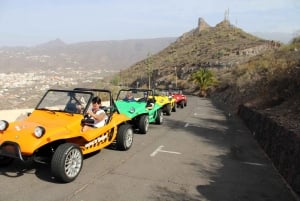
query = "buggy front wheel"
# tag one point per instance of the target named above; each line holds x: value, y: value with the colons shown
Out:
x: 124, y: 137
x: 159, y: 117
x: 5, y: 161
x: 143, y: 124
x: 67, y: 162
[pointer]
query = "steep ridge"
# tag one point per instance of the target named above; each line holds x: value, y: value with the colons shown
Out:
x: 221, y: 46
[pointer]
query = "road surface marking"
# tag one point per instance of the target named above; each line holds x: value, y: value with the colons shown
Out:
x: 156, y: 151
x: 186, y: 125
x: 257, y: 164
x: 159, y: 149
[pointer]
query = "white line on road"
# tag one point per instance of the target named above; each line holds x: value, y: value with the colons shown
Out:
x: 171, y: 152
x: 257, y: 164
x: 186, y: 125
x: 159, y: 149
x: 156, y: 151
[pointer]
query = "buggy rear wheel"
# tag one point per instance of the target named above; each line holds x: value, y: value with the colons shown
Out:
x: 159, y: 117
x: 67, y: 162
x: 168, y: 109
x: 185, y: 104
x: 143, y: 124
x: 174, y: 108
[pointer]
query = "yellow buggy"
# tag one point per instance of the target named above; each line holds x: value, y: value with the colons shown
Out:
x: 166, y: 100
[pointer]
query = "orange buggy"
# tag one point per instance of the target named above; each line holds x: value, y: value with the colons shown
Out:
x: 52, y: 134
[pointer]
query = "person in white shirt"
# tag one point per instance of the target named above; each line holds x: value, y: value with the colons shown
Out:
x: 97, y: 114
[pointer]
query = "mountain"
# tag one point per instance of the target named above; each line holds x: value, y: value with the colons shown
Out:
x: 94, y: 55
x: 222, y: 46
x: 263, y: 74
x: 260, y: 74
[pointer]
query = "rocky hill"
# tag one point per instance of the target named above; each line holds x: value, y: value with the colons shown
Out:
x: 268, y: 83
x: 219, y: 47
x: 94, y: 55
x: 259, y: 73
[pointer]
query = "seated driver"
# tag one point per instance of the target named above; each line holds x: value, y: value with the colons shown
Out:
x: 97, y: 114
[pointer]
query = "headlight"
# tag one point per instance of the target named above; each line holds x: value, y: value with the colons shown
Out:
x: 3, y: 125
x: 39, y: 131
x: 132, y: 110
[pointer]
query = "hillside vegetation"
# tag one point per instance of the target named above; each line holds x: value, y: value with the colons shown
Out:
x: 216, y: 47
x: 259, y: 73
x: 269, y: 82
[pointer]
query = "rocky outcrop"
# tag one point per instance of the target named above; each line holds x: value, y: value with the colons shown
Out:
x: 202, y: 25
x: 280, y: 144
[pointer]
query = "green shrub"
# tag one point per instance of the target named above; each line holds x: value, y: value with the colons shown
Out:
x: 205, y: 79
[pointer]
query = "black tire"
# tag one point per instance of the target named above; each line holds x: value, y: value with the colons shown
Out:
x: 143, y: 124
x: 174, y: 108
x: 182, y: 104
x: 124, y: 137
x: 5, y: 161
x: 67, y: 162
x: 185, y: 104
x: 168, y: 109
x: 159, y: 117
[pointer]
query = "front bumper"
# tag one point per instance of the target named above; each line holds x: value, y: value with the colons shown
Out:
x: 11, y: 150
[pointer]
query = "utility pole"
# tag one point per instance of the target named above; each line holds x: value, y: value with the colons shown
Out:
x: 149, y: 69
x: 226, y: 15
x: 175, y: 77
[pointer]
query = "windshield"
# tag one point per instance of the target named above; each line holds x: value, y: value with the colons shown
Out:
x: 134, y: 94
x: 176, y: 91
x: 65, y: 101
x: 162, y: 92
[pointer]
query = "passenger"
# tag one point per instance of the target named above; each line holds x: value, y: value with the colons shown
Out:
x: 98, y: 115
x: 129, y: 97
x: 149, y: 101
x: 79, y: 108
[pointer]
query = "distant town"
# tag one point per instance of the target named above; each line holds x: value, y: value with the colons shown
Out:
x: 24, y: 90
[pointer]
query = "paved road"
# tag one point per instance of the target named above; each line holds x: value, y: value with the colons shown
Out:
x: 197, y: 154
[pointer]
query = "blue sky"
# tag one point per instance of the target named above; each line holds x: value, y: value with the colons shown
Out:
x: 32, y: 22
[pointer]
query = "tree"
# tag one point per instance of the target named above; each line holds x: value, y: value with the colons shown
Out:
x: 116, y: 80
x: 205, y: 79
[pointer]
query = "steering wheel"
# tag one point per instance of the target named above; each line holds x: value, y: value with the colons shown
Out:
x: 87, y: 116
